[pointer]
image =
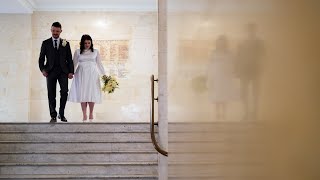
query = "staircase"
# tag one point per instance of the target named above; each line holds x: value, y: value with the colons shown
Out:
x: 113, y: 151
x: 216, y: 151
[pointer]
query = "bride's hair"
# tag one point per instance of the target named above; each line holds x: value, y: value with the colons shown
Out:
x: 83, y: 38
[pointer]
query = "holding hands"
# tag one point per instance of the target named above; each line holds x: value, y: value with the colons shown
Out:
x: 70, y: 75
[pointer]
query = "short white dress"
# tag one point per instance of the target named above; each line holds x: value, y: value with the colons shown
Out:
x: 86, y: 85
x: 220, y: 82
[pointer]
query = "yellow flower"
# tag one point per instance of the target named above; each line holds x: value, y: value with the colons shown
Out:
x: 114, y: 84
x: 109, y: 83
x: 108, y: 88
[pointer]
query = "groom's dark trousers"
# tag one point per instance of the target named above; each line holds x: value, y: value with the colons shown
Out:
x: 58, y: 65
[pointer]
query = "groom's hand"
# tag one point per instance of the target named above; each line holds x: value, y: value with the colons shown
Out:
x: 44, y: 73
x: 70, y: 75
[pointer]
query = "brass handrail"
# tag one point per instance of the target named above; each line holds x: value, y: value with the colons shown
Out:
x: 152, y: 123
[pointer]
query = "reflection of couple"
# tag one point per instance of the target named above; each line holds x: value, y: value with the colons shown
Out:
x: 224, y: 67
x: 59, y: 66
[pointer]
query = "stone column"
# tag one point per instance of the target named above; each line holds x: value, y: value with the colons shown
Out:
x: 162, y: 87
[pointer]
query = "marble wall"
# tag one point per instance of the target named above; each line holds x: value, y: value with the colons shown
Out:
x: 15, y: 67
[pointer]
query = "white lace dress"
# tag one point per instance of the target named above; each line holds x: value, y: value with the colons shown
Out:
x: 86, y: 85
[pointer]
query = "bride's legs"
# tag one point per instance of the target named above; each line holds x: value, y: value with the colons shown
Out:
x: 91, y: 106
x: 84, y: 110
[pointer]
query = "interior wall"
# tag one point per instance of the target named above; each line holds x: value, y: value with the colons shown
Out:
x: 15, y: 67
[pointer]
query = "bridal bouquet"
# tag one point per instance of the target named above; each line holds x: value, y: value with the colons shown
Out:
x: 109, y: 84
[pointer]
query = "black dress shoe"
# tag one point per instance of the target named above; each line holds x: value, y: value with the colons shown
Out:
x: 53, y: 120
x: 63, y: 119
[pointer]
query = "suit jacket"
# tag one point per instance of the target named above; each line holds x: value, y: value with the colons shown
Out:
x: 48, y: 53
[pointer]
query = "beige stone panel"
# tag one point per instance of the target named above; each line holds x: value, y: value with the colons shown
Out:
x: 15, y: 111
x: 15, y: 51
x: 40, y: 111
x: 38, y: 94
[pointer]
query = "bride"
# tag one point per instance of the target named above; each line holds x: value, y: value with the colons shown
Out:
x: 85, y: 87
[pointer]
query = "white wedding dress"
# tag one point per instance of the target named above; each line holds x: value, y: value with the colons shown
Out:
x: 220, y: 81
x: 86, y: 85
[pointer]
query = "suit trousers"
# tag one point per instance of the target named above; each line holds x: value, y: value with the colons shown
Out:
x: 54, y: 76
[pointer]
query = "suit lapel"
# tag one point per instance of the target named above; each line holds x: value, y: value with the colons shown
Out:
x: 50, y: 43
x: 60, y: 44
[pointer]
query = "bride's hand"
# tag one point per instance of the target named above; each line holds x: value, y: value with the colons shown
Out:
x: 70, y: 75
x: 44, y: 73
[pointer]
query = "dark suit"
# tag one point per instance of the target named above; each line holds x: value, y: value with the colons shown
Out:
x: 58, y: 65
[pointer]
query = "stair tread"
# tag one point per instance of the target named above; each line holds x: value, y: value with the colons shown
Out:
x: 28, y: 141
x: 82, y: 152
x: 71, y: 123
x: 76, y: 175
x: 75, y: 127
x: 38, y: 142
x: 78, y: 163
x: 76, y: 132
x: 72, y: 132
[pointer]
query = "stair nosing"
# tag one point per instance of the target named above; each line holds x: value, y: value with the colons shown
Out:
x: 42, y: 176
x: 70, y: 132
x: 81, y: 152
x: 71, y: 123
x: 71, y: 142
x: 142, y: 163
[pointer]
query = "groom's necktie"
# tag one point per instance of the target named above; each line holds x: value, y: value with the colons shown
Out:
x: 55, y: 44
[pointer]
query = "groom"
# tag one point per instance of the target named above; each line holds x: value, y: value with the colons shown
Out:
x: 57, y: 67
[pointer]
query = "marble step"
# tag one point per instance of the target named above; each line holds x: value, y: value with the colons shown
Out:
x: 75, y: 137
x: 124, y: 137
x: 38, y: 147
x: 80, y: 176
x: 212, y: 137
x: 212, y: 177
x: 75, y: 127
x: 215, y: 158
x: 89, y: 157
x: 215, y: 147
x: 231, y: 127
x: 123, y: 168
x: 216, y: 170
